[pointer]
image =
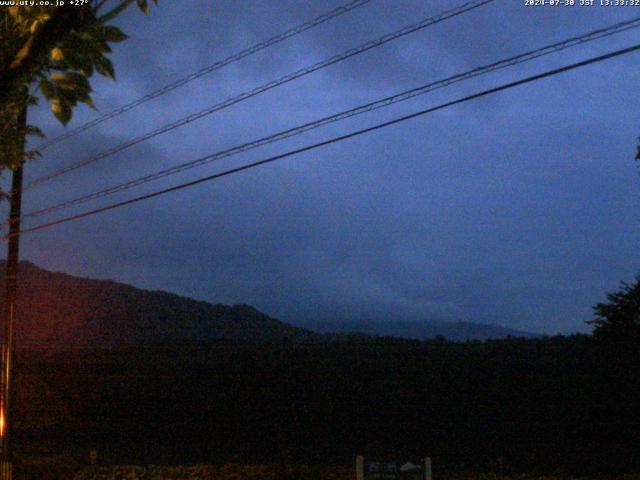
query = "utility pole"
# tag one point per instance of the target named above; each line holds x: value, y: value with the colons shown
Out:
x: 11, y: 276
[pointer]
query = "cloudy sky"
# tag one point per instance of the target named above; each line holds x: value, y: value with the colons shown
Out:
x: 519, y: 209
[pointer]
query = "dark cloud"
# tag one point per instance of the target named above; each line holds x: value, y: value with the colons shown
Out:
x: 519, y: 209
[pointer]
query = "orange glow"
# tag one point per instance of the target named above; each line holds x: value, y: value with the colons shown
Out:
x: 1, y: 421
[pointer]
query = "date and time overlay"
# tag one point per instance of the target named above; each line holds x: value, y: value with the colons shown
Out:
x: 581, y: 3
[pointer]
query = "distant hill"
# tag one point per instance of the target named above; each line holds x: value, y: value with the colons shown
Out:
x: 60, y: 310
x: 57, y: 310
x: 419, y: 330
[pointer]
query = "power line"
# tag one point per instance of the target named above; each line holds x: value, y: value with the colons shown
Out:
x: 265, y: 87
x: 208, y: 69
x: 337, y: 139
x: 406, y: 95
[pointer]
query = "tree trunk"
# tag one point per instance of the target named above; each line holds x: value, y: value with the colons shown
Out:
x: 10, y: 309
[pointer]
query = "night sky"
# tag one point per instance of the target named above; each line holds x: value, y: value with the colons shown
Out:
x: 519, y: 209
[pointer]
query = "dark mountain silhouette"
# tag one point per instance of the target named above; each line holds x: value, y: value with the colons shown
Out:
x: 60, y: 310
x: 420, y: 330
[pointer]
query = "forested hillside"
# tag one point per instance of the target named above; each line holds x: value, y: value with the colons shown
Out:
x: 57, y: 310
x: 536, y: 405
x: 151, y: 377
x: 61, y: 311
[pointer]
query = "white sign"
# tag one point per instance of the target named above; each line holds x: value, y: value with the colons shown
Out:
x: 369, y: 469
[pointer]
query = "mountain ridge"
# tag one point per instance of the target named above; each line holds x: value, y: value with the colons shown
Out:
x: 58, y: 310
x: 427, y: 329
